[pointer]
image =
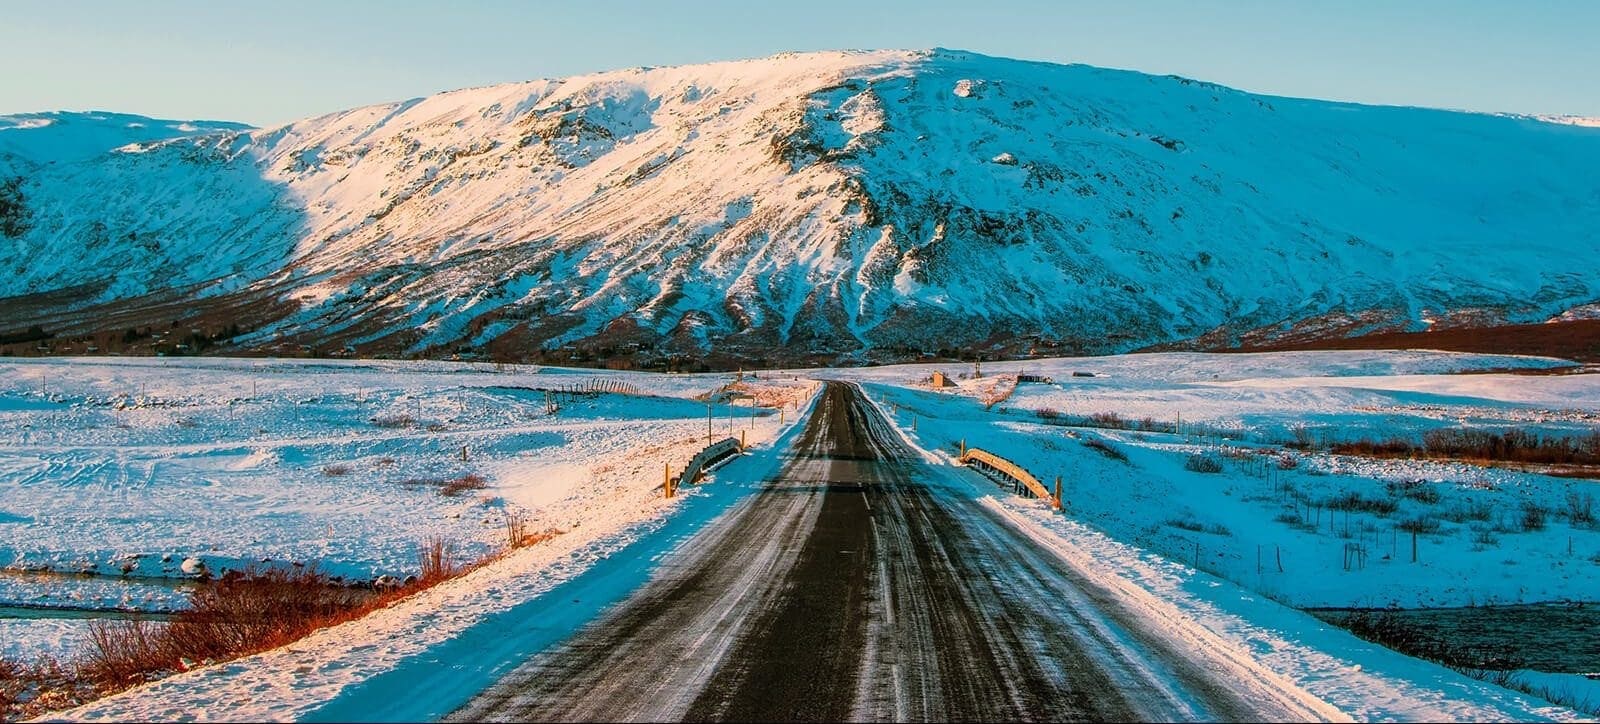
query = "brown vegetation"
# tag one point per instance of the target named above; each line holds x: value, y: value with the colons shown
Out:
x: 1575, y: 340
x: 1572, y: 456
x: 1106, y: 449
x: 236, y: 615
x: 463, y: 484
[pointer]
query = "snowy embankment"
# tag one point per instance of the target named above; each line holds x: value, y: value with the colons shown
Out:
x: 1144, y: 525
x: 128, y: 469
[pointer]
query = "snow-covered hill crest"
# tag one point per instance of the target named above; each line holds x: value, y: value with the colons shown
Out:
x: 841, y: 205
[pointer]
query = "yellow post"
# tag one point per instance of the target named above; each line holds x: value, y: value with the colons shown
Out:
x: 963, y: 447
x: 1058, y: 492
x: 666, y: 480
x: 741, y: 441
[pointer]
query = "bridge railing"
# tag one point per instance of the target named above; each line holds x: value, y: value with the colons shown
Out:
x: 995, y: 467
x: 702, y: 461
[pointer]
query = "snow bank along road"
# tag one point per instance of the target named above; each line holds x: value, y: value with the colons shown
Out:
x: 854, y: 586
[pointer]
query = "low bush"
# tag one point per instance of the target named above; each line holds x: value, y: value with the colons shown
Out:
x: 1354, y: 501
x: 243, y: 613
x: 1199, y: 463
x: 1196, y: 526
x: 1425, y: 495
x: 1532, y: 516
x: 30, y: 689
x: 1517, y: 445
x: 1580, y: 508
x: 1470, y: 510
x: 437, y: 558
x: 463, y: 484
x: 1108, y: 420
x: 394, y: 421
x: 1186, y: 524
x: 1106, y: 449
x: 1420, y: 524
x: 236, y: 615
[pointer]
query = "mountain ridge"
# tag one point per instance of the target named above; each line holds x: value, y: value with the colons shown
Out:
x: 826, y: 207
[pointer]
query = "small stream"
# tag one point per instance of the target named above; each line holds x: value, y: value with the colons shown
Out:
x: 36, y: 613
x: 1553, y: 637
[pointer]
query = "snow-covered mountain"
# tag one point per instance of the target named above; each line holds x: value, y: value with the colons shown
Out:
x: 836, y: 205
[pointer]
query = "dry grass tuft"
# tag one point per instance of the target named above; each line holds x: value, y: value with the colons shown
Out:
x: 437, y: 559
x: 463, y: 484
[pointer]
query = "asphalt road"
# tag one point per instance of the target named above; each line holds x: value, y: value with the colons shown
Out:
x: 851, y: 589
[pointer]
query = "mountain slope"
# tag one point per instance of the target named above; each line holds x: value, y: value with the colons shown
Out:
x: 822, y: 206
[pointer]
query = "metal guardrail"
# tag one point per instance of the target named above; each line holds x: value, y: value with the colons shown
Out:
x: 992, y: 464
x: 703, y: 460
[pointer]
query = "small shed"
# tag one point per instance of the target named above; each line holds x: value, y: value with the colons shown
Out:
x: 940, y: 380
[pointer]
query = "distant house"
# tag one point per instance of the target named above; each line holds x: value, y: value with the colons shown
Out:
x: 939, y: 380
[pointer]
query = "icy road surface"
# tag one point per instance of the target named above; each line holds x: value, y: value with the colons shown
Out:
x: 855, y: 587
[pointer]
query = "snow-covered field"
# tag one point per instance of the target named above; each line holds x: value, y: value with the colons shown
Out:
x: 1155, y: 522
x: 129, y: 469
x: 88, y: 480
x: 1239, y: 409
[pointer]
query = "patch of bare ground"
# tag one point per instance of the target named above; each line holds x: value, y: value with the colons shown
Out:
x: 1577, y: 340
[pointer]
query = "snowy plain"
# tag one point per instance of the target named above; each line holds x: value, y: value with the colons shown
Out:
x: 116, y: 473
x: 597, y: 481
x: 1242, y: 409
x: 1228, y: 547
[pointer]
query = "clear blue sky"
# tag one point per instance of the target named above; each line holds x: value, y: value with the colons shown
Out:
x: 269, y: 62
